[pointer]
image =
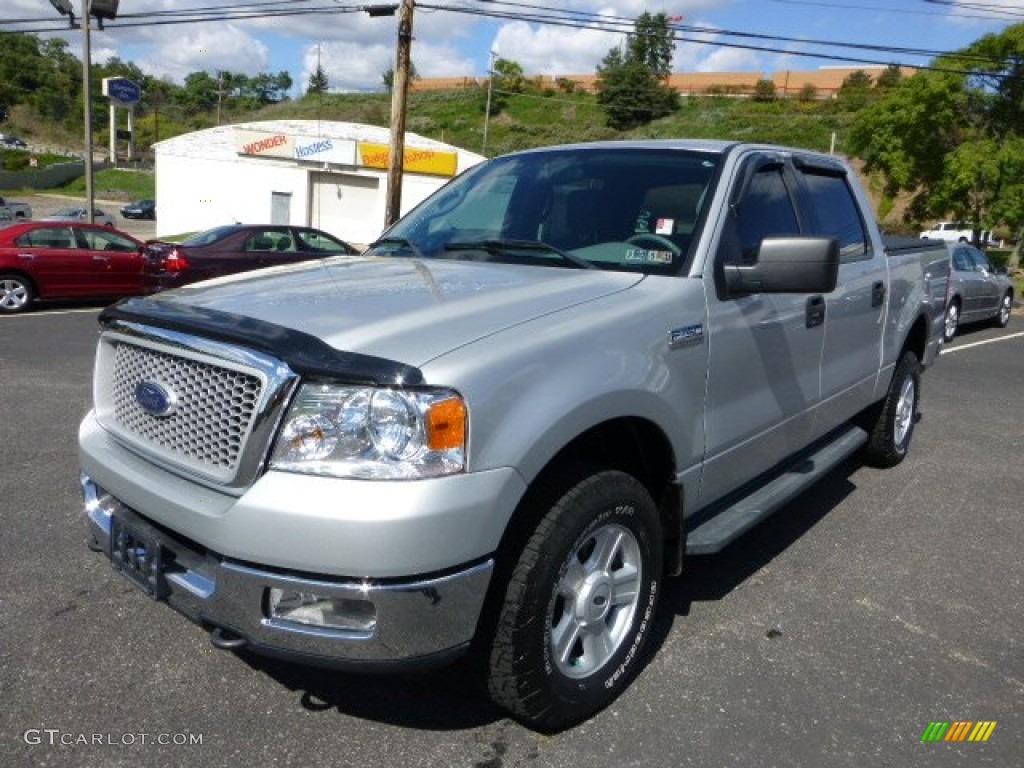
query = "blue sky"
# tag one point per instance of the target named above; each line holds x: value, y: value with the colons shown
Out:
x: 452, y: 40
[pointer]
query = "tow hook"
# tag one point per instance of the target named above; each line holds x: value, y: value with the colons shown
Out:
x: 226, y: 640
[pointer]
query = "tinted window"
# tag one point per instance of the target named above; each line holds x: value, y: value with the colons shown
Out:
x: 962, y: 260
x: 765, y: 210
x: 47, y: 237
x: 836, y: 214
x: 100, y: 240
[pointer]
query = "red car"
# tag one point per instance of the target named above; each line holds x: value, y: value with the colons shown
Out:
x: 235, y: 248
x: 63, y: 260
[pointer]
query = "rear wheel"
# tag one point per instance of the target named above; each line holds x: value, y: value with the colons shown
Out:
x: 15, y: 294
x: 952, y: 321
x: 580, y: 604
x: 893, y: 421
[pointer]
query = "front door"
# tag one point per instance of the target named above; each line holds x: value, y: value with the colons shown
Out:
x: 764, y: 361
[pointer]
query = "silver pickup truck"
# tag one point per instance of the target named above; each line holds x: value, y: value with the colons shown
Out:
x: 500, y: 428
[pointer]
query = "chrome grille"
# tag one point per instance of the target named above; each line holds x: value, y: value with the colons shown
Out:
x: 214, y: 411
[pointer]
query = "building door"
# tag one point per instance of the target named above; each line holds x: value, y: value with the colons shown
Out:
x: 347, y: 206
x: 280, y: 207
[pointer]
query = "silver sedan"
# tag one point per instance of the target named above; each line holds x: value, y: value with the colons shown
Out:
x: 977, y: 291
x: 78, y: 213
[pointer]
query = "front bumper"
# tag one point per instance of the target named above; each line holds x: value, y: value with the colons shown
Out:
x: 421, y: 622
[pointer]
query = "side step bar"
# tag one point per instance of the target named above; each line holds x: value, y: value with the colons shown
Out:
x: 719, y: 526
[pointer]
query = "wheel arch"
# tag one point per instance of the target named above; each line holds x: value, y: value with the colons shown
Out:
x: 632, y: 445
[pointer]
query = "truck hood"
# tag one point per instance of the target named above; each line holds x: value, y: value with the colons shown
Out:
x: 407, y: 310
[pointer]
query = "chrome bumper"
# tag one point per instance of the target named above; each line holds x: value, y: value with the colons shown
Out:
x: 411, y: 623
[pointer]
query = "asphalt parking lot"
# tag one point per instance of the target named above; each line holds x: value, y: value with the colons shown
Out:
x: 833, y: 635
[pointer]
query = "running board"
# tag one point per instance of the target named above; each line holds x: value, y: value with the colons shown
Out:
x: 736, y: 518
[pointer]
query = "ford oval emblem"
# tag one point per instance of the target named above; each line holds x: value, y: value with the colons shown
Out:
x: 154, y: 398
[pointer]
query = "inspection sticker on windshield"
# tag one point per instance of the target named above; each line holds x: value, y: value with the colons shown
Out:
x: 664, y: 226
x: 643, y: 256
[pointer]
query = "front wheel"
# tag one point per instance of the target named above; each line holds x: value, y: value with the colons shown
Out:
x: 1005, y: 307
x: 892, y: 423
x: 580, y: 604
x: 952, y: 321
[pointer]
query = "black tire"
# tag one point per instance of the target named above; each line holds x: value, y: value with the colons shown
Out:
x: 1005, y: 308
x: 16, y: 294
x: 951, y: 321
x: 552, y: 663
x: 892, y: 425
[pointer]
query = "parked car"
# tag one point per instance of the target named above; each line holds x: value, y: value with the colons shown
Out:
x: 18, y: 211
x: 77, y: 213
x: 977, y: 291
x: 235, y: 248
x: 957, y: 232
x: 14, y: 142
x: 47, y: 260
x: 140, y: 209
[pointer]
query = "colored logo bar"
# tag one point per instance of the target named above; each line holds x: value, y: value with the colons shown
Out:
x: 958, y: 730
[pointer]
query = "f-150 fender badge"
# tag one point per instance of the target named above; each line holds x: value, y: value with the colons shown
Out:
x: 687, y: 336
x: 155, y: 399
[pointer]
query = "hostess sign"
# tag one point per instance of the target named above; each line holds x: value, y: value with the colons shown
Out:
x: 324, y: 149
x: 122, y: 91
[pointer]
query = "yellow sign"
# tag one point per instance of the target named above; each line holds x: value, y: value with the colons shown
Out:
x: 415, y: 159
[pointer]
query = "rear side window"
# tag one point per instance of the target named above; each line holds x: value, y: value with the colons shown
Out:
x: 836, y: 214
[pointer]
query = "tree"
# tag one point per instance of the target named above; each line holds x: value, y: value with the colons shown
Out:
x: 855, y: 92
x: 889, y: 78
x: 954, y: 135
x: 632, y: 85
x: 388, y: 76
x: 317, y: 81
x: 764, y: 90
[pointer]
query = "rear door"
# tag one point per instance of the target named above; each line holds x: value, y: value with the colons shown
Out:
x: 855, y: 311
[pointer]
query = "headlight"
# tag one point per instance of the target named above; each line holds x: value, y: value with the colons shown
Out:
x: 373, y: 433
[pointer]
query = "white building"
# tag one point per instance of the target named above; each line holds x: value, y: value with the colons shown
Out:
x: 328, y: 175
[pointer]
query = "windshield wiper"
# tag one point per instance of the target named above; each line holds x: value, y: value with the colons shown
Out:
x: 399, y: 241
x: 499, y: 247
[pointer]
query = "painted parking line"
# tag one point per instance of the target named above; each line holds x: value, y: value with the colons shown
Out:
x: 51, y: 313
x: 962, y: 347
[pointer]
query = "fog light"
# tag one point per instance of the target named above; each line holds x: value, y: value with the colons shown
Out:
x: 322, y: 611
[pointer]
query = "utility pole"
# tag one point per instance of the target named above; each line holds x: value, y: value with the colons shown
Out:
x: 487, y: 110
x: 90, y: 215
x: 399, y: 97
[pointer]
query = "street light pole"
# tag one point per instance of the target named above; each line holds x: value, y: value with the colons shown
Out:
x: 399, y: 97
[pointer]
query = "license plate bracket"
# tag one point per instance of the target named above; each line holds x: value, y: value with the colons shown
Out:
x: 138, y: 558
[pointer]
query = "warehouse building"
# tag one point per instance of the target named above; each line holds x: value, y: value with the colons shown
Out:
x: 329, y: 175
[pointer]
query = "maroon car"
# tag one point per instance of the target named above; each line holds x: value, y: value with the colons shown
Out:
x: 63, y: 260
x: 235, y: 248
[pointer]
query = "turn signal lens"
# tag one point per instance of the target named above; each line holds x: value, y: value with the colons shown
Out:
x: 446, y: 425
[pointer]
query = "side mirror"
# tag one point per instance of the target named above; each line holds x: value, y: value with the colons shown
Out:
x: 788, y: 265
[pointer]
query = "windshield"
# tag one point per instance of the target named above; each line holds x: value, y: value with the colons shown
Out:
x: 618, y: 208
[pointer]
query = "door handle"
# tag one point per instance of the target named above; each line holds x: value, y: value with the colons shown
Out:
x: 815, y: 311
x: 877, y: 293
